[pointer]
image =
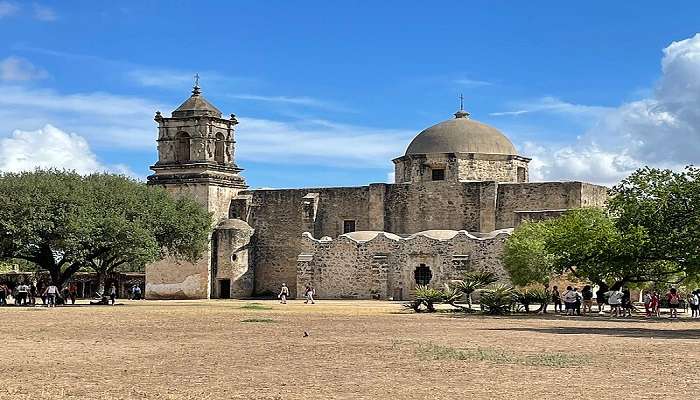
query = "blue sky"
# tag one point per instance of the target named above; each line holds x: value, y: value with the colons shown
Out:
x: 329, y: 92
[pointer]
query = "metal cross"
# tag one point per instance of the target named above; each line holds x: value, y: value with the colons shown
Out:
x: 196, y: 79
x: 461, y: 102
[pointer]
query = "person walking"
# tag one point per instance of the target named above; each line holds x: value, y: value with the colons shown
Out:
x: 51, y: 294
x: 284, y: 292
x: 22, y: 294
x: 309, y: 293
x: 579, y: 300
x: 656, y: 304
x: 556, y: 299
x: 615, y: 300
x: 600, y: 299
x: 72, y: 292
x: 113, y: 293
x: 674, y: 301
x: 626, y: 303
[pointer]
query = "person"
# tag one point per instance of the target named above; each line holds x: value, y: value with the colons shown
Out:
x: 674, y: 301
x: 626, y: 303
x: 22, y: 294
x: 587, y: 294
x: 51, y: 293
x: 72, y: 292
x: 600, y: 298
x: 656, y: 304
x: 112, y: 293
x: 614, y: 299
x: 556, y: 299
x: 3, y: 294
x: 32, y: 294
x: 569, y: 297
x: 577, y: 303
x: 284, y: 292
x: 136, y: 292
x: 309, y: 293
x: 693, y: 304
x: 646, y: 298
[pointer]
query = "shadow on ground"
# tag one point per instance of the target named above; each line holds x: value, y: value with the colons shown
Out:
x: 612, y: 331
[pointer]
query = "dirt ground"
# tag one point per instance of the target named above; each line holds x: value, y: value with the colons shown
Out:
x: 354, y: 350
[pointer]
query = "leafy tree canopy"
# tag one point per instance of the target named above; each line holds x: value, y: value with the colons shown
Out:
x: 649, y: 233
x: 63, y: 221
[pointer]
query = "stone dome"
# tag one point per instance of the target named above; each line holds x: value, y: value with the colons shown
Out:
x: 461, y: 135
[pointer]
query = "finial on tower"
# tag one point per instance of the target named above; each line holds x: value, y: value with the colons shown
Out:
x: 196, y: 90
x: 461, y: 113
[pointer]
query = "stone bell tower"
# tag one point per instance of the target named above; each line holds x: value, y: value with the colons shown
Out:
x: 196, y: 150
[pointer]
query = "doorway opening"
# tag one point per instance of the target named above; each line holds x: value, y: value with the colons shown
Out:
x: 423, y: 275
x: 224, y: 288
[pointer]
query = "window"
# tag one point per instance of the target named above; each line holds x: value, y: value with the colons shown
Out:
x: 423, y: 275
x: 182, y: 147
x: 460, y: 262
x: 438, y: 174
x: 521, y: 174
x: 219, y: 148
x: 349, y: 226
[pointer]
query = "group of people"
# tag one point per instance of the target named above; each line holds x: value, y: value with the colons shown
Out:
x: 309, y: 293
x: 574, y: 302
x: 25, y: 294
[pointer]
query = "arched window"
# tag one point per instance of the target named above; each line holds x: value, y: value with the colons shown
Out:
x: 182, y: 147
x: 219, y: 154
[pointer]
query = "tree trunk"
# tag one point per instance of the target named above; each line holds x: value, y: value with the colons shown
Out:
x: 101, y: 278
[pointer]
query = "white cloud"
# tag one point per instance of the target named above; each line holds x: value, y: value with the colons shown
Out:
x: 8, y: 9
x: 661, y: 130
x: 553, y: 105
x: 162, y: 78
x: 472, y: 82
x: 319, y: 142
x: 18, y: 69
x: 48, y: 147
x: 300, y: 101
x: 43, y: 13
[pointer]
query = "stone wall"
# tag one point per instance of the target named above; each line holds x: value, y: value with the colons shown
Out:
x: 381, y: 265
x: 233, y: 261
x: 461, y: 167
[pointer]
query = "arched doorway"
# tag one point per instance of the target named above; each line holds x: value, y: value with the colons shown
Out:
x: 182, y: 147
x: 219, y: 155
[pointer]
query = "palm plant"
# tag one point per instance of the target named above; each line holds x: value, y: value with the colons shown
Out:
x: 529, y: 296
x: 498, y: 300
x: 474, y: 281
x: 427, y: 296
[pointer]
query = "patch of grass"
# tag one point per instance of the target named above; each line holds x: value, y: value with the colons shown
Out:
x: 261, y: 320
x: 255, y: 306
x: 431, y: 351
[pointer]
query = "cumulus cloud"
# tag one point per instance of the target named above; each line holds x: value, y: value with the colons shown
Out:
x: 660, y: 130
x: 18, y: 69
x: 48, y: 147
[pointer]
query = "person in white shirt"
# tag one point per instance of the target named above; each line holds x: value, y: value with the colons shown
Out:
x: 51, y: 293
x: 22, y: 294
x: 614, y: 299
x: 569, y: 297
x: 284, y: 292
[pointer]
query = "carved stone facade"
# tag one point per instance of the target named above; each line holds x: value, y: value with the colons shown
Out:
x: 460, y: 188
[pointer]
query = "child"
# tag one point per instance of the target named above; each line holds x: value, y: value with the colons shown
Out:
x: 693, y: 303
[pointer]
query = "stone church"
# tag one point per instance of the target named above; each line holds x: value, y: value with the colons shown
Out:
x: 459, y: 190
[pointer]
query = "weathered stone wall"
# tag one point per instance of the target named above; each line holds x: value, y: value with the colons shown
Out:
x: 593, y: 195
x: 384, y: 266
x: 461, y: 167
x: 416, y: 207
x: 170, y: 278
x: 514, y: 197
x: 233, y: 259
x: 203, y: 132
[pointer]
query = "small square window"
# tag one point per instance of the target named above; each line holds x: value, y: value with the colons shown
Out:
x: 349, y: 226
x: 439, y: 174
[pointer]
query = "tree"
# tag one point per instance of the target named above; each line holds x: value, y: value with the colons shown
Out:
x: 473, y: 281
x: 63, y: 222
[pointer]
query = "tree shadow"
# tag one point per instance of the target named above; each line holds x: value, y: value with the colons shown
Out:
x: 612, y: 331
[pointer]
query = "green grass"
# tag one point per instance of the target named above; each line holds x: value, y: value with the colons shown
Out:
x: 260, y: 320
x: 431, y: 351
x: 255, y: 306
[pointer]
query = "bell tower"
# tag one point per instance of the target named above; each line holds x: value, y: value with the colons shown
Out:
x: 196, y: 150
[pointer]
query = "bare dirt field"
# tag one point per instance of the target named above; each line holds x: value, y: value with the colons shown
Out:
x: 355, y: 350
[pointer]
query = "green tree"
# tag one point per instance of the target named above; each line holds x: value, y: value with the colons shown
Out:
x: 63, y: 222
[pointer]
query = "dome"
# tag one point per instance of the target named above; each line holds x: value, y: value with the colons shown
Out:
x: 196, y: 106
x: 461, y: 135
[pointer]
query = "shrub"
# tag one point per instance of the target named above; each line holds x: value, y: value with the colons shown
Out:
x: 427, y: 296
x: 528, y: 296
x: 498, y: 300
x: 473, y: 281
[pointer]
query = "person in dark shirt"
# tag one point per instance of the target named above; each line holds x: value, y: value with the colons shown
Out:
x: 556, y: 299
x: 587, y: 294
